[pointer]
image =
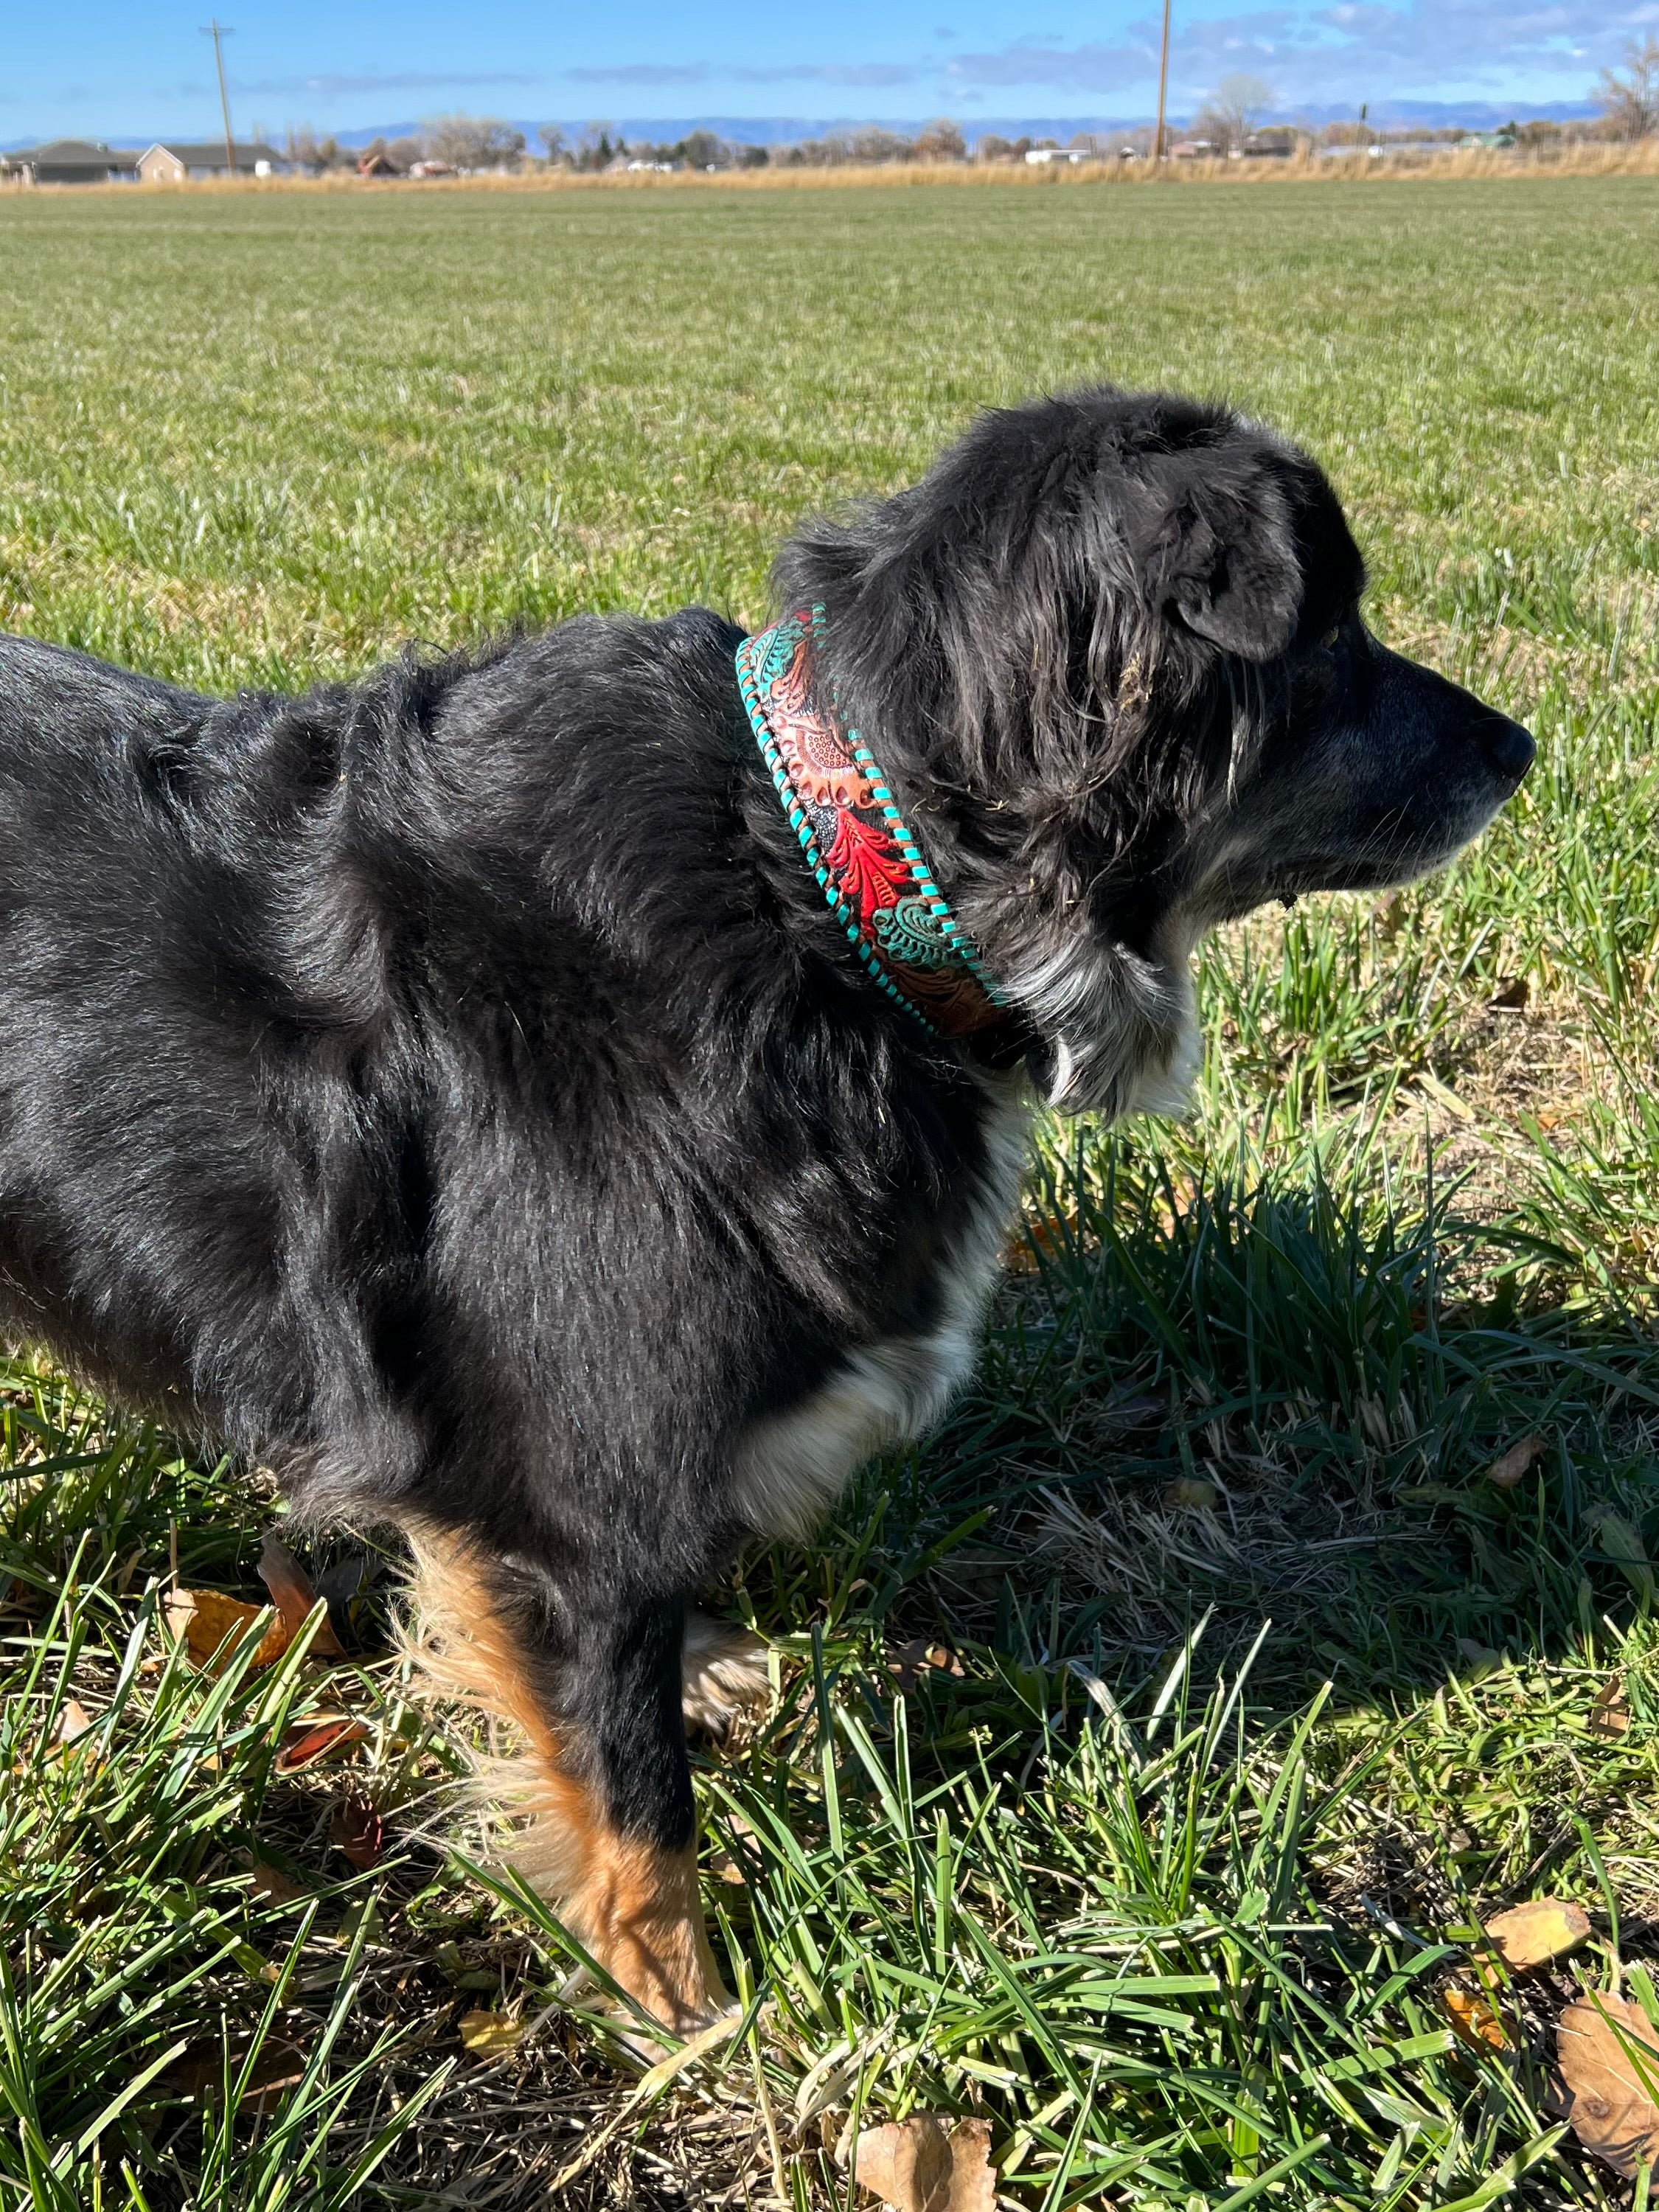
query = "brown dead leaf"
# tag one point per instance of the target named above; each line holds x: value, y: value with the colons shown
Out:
x: 915, y: 2165
x: 202, y: 1619
x: 1609, y: 1712
x: 490, y: 2035
x: 1505, y: 1473
x: 292, y: 1594
x: 1610, y: 2095
x: 278, y: 2066
x: 355, y: 1828
x: 1474, y: 2021
x: 72, y: 1723
x: 271, y: 1883
x: 907, y: 1662
x: 1044, y: 1238
x: 314, y: 1737
x: 1530, y: 1935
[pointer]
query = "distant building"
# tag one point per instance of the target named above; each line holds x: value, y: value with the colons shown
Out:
x: 181, y: 163
x: 1040, y: 156
x: 71, y: 162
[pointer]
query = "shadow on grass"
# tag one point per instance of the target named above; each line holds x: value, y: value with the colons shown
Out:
x: 1268, y: 1401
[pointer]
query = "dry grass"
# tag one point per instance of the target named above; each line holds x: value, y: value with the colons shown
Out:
x: 1448, y: 164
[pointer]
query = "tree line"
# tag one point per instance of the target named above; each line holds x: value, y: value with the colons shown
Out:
x: 1229, y: 123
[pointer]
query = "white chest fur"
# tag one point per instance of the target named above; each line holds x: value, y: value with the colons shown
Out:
x: 789, y: 1469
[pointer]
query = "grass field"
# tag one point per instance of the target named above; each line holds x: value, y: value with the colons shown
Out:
x: 1263, y: 1692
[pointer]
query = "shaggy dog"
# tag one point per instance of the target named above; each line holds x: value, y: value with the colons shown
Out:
x: 495, y: 1096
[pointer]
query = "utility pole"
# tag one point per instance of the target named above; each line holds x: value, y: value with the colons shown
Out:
x: 1162, y: 85
x: 218, y: 31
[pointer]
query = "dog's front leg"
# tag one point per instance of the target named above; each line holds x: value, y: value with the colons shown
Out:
x: 590, y: 1682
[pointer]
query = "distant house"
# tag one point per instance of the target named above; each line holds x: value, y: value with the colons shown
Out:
x: 72, y: 161
x: 1040, y: 156
x: 181, y: 163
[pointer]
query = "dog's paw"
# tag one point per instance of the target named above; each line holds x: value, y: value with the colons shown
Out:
x: 723, y: 1674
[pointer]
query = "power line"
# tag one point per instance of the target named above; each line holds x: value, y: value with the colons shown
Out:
x: 218, y: 31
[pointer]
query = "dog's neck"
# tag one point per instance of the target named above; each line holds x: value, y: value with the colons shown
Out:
x: 871, y: 870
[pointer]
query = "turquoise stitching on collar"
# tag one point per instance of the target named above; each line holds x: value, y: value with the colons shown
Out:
x: 917, y: 936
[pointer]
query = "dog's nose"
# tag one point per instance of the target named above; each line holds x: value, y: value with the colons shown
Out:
x: 1507, y: 746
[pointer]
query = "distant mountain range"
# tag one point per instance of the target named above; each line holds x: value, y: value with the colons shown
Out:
x: 790, y: 130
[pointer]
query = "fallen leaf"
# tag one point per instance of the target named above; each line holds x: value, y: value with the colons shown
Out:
x: 355, y: 1828
x: 907, y: 1662
x: 340, y: 1586
x: 278, y: 2066
x: 292, y: 1594
x: 73, y: 1721
x: 271, y: 1883
x: 364, y: 1915
x: 1610, y: 2095
x: 315, y: 1736
x: 1528, y: 1935
x: 1609, y: 1713
x: 488, y: 2035
x: 1503, y: 1473
x: 1048, y: 1237
x: 1474, y: 2021
x: 1189, y: 1493
x: 202, y: 1619
x: 915, y: 2165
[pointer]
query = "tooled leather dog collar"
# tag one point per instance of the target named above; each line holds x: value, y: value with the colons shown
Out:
x: 870, y: 867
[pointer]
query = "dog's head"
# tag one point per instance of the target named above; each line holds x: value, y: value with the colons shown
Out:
x: 1110, y: 650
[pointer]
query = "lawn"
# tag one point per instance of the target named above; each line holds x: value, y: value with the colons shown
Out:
x: 1149, y: 1748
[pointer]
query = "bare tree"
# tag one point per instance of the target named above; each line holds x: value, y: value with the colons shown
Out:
x: 553, y: 145
x: 306, y: 150
x: 472, y: 141
x: 594, y: 148
x: 700, y: 149
x: 1629, y: 97
x: 941, y: 141
x: 1232, y: 111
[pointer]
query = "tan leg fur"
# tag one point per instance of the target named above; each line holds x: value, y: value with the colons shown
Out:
x: 633, y: 1905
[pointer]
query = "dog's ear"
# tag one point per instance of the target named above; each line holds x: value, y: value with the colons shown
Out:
x: 1222, y: 558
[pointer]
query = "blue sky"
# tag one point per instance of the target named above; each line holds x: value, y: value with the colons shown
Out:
x: 110, y: 68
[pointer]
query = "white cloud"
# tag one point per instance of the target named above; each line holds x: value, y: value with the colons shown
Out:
x: 643, y: 73
x: 329, y: 88
x: 1357, y: 49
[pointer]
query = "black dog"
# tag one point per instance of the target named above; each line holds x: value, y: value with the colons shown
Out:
x: 454, y: 1092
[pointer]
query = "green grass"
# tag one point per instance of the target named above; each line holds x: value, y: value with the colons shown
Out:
x: 1170, y: 1880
